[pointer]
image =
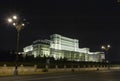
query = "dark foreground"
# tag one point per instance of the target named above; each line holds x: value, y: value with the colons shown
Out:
x: 70, y: 76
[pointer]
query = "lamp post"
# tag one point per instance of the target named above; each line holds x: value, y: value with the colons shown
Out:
x: 106, y: 48
x: 18, y: 24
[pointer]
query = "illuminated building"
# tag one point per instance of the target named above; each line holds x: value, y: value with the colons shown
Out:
x: 39, y: 48
x: 62, y: 47
x: 63, y: 43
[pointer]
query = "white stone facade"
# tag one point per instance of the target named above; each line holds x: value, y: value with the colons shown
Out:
x: 63, y: 47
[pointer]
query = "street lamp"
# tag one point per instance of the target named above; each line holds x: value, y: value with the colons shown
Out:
x: 18, y: 24
x: 106, y: 48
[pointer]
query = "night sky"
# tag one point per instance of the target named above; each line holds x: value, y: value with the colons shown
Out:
x: 93, y: 22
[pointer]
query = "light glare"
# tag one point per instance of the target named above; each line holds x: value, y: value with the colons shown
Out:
x: 103, y: 47
x: 10, y: 20
x: 108, y: 46
x: 14, y: 17
x: 23, y: 24
x: 14, y: 24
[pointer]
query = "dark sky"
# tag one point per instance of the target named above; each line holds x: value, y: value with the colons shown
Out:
x: 93, y: 22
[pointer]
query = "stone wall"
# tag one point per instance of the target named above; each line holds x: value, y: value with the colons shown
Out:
x: 23, y: 70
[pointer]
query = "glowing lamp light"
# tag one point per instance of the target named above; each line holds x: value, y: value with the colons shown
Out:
x: 103, y: 47
x: 14, y: 17
x: 14, y: 24
x: 23, y: 24
x: 108, y: 46
x: 10, y: 20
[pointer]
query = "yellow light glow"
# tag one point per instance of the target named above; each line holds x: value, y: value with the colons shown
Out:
x: 10, y: 20
x: 15, y: 17
x: 23, y: 24
x: 108, y: 46
x: 14, y: 24
x: 103, y: 47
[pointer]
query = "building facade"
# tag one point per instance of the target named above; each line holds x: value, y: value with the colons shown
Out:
x: 62, y: 47
x: 39, y: 48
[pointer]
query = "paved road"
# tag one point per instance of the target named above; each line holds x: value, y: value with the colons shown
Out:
x: 71, y: 76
